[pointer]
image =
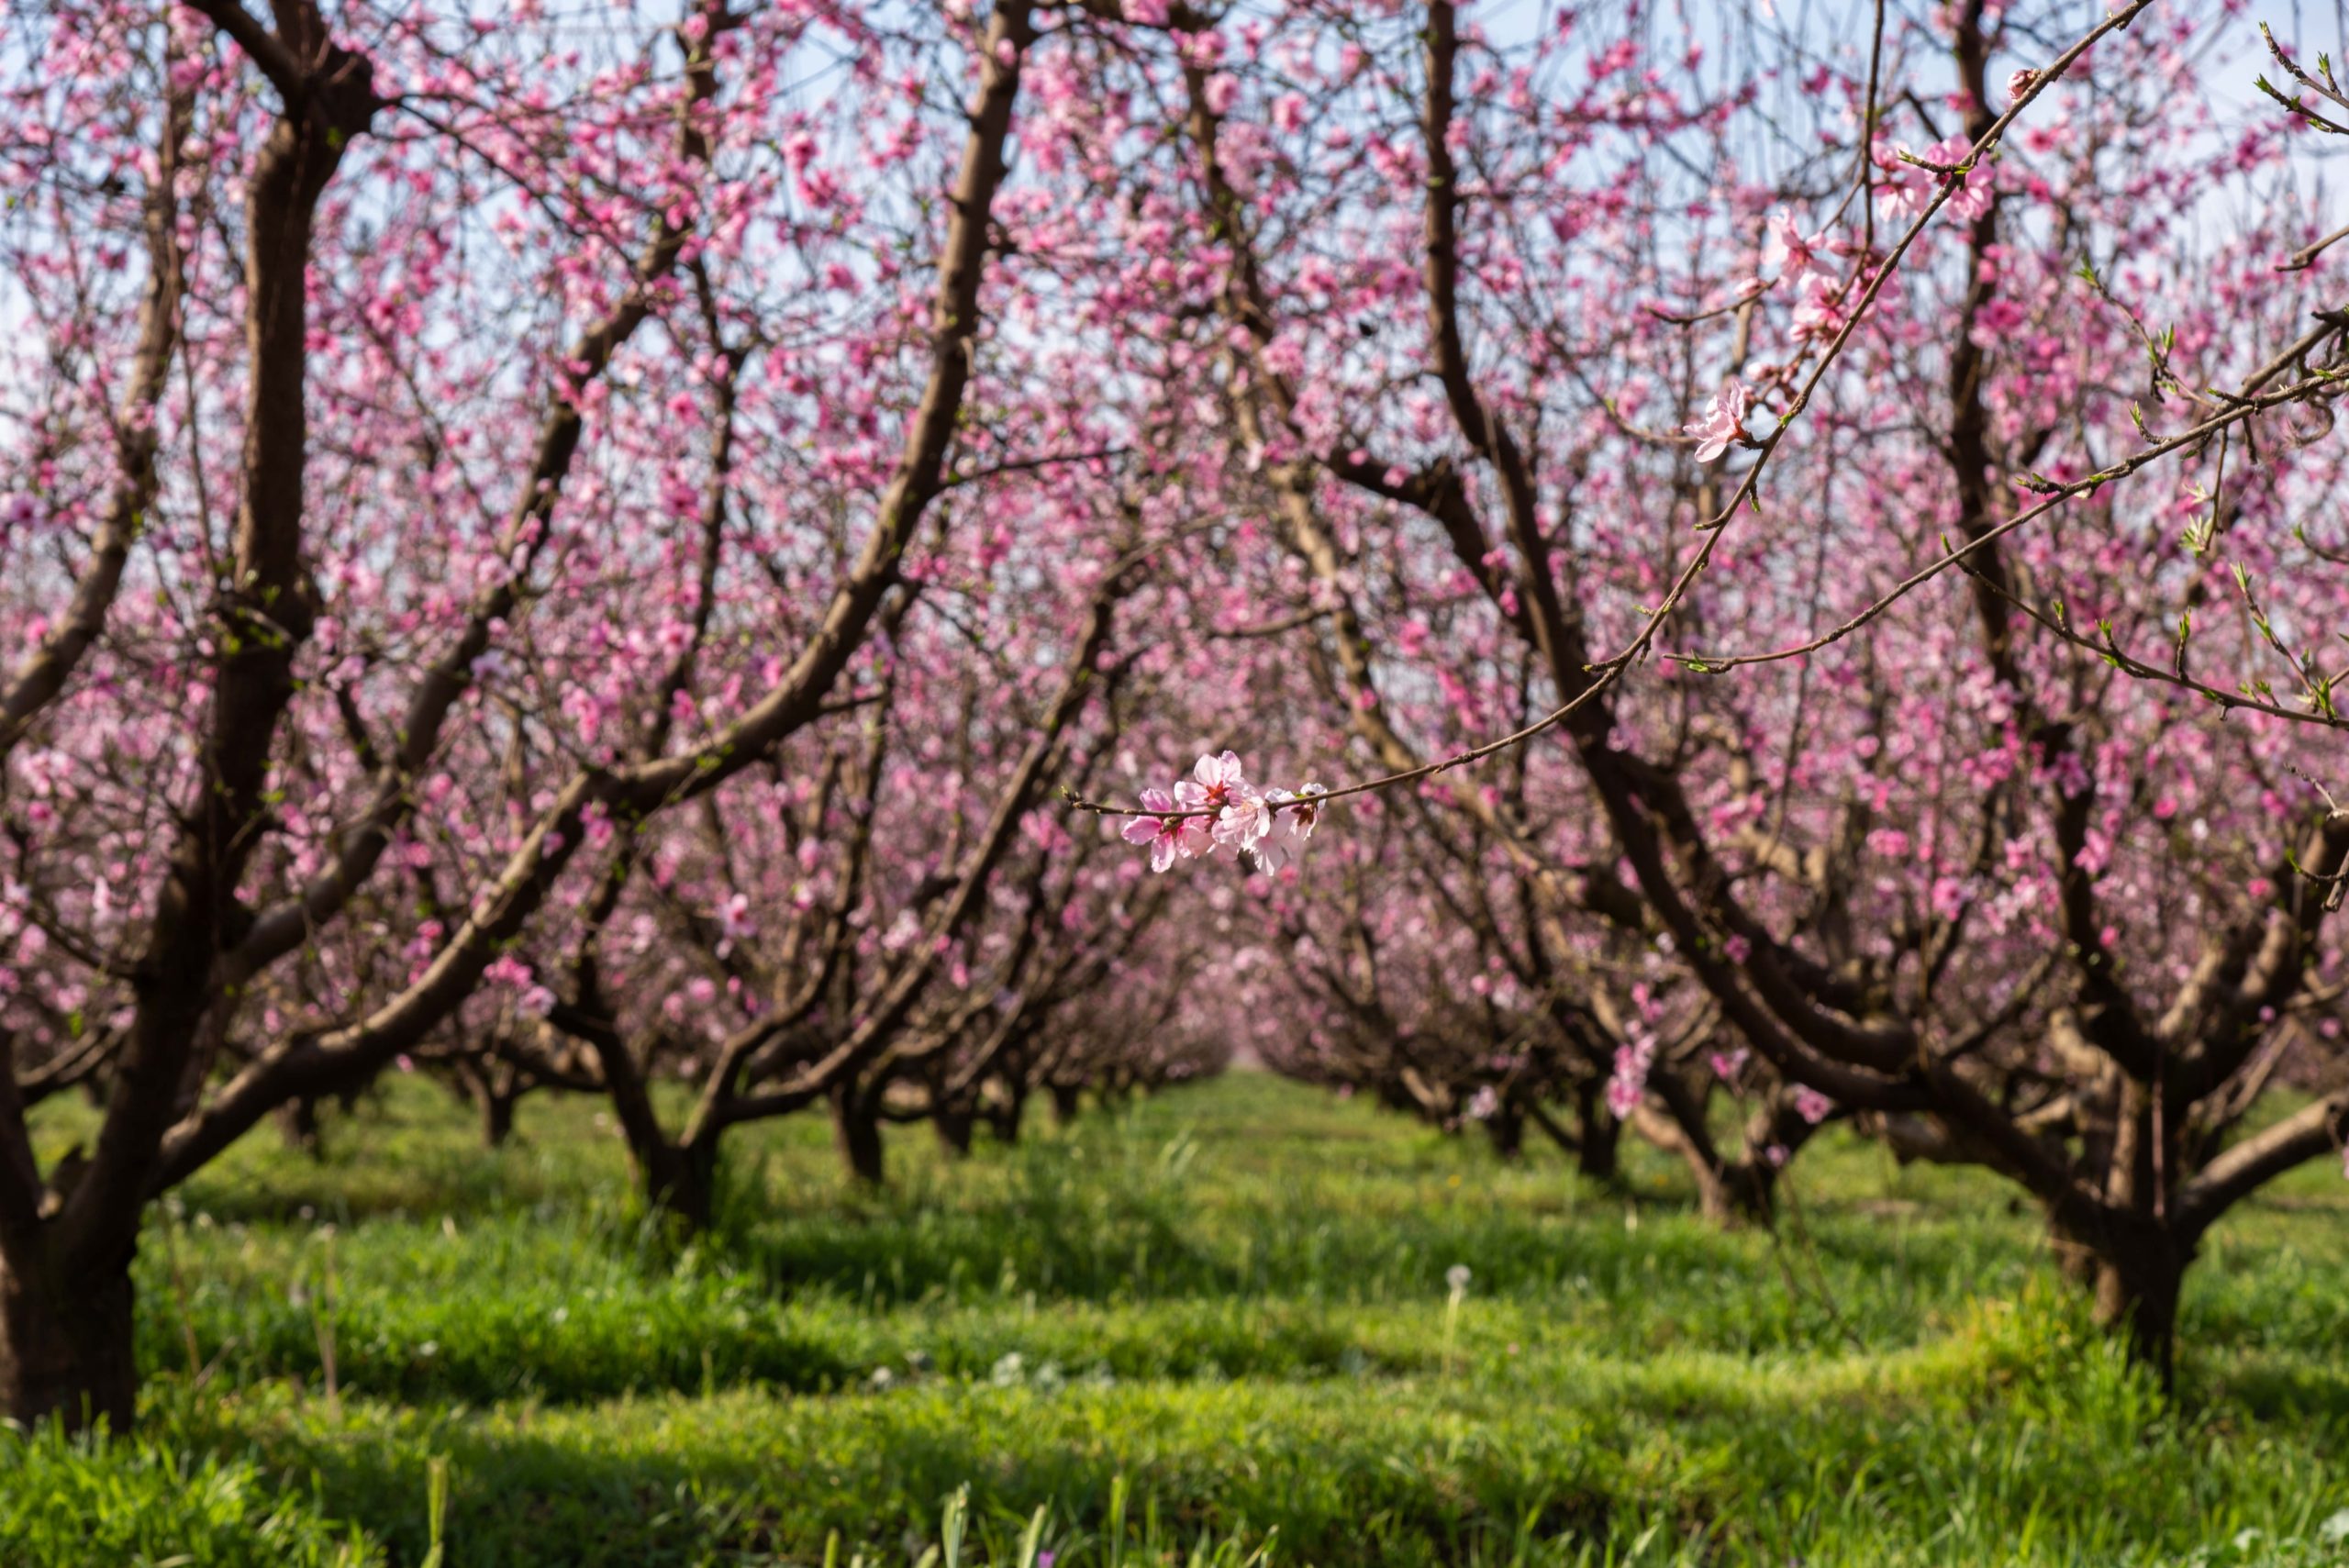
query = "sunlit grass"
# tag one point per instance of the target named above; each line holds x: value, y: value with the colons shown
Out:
x: 1232, y: 1299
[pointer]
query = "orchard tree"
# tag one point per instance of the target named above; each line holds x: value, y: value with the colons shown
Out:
x: 1424, y: 975
x: 1530, y: 309
x: 377, y: 383
x: 823, y: 933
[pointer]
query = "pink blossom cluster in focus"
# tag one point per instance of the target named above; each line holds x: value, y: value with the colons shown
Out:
x: 1217, y: 810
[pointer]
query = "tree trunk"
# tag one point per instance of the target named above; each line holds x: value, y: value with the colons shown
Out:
x: 2135, y: 1279
x: 1004, y: 1116
x: 297, y: 1121
x: 858, y: 1132
x: 1734, y: 1192
x: 2136, y: 1296
x: 1598, y: 1135
x: 1505, y: 1127
x: 66, y: 1346
x: 496, y: 1116
x: 679, y: 1181
x: 953, y: 1125
x: 1728, y: 1191
x: 1066, y: 1100
x: 2075, y: 1259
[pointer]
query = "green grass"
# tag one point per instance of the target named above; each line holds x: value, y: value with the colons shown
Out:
x: 1216, y: 1324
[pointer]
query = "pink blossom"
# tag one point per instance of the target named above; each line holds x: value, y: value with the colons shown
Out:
x: 1213, y: 783
x: 1294, y: 819
x: 1819, y: 313
x: 1245, y: 823
x: 1906, y: 187
x: 1630, y: 1080
x: 1812, y: 1105
x: 1723, y: 425
x: 1785, y: 247
x: 734, y: 923
x: 1163, y: 834
x: 2095, y: 853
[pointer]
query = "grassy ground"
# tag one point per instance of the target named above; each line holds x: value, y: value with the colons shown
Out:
x: 1222, y: 1317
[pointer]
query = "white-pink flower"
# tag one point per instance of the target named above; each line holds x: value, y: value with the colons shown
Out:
x: 1163, y: 834
x: 734, y: 923
x: 1900, y: 185
x: 1812, y: 1105
x: 1973, y: 194
x: 1217, y: 784
x: 1905, y: 187
x: 1294, y: 817
x: 1785, y: 247
x: 1723, y: 425
x: 1213, y: 783
x: 1819, y: 313
x: 1245, y: 822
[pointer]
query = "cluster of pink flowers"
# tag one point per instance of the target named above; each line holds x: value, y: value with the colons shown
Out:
x: 509, y: 974
x: 1633, y: 1060
x: 1905, y: 188
x: 1218, y: 810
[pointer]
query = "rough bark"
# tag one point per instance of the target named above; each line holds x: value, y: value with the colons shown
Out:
x: 497, y: 1115
x: 1598, y: 1135
x: 953, y: 1126
x: 67, y: 1351
x: 1005, y: 1113
x: 857, y: 1131
x: 680, y: 1181
x: 1505, y: 1127
x: 297, y: 1122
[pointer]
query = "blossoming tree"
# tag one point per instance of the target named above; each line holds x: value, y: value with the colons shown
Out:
x: 1534, y: 307
x: 390, y: 425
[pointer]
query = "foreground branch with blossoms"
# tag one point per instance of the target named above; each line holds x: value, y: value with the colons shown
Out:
x: 1217, y: 811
